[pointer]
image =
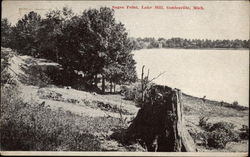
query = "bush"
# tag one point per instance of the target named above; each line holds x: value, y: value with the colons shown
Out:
x: 203, y: 122
x: 222, y: 125
x: 218, y: 138
x: 6, y: 55
x: 244, y: 134
x: 219, y: 134
x: 235, y: 103
x: 134, y: 92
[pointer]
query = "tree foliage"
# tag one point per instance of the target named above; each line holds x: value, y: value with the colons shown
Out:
x: 92, y: 43
x: 6, y: 32
x: 26, y: 32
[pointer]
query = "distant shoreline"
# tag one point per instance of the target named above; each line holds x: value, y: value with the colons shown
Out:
x: 198, y: 48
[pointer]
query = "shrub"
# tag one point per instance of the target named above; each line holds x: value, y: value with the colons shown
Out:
x: 134, y: 92
x: 5, y: 57
x: 235, y: 103
x: 217, y: 138
x: 219, y: 134
x: 222, y: 125
x: 203, y: 122
x: 244, y: 134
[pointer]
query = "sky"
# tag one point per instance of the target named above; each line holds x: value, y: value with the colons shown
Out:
x: 217, y: 20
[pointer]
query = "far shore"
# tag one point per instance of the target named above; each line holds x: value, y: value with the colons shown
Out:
x: 199, y: 48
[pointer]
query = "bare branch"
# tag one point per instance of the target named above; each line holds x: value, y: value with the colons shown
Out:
x: 156, y: 77
x: 148, y: 74
x: 142, y: 83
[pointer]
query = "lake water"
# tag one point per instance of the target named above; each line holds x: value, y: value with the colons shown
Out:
x: 221, y: 75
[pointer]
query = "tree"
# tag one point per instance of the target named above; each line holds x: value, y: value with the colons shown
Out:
x: 92, y: 43
x: 48, y: 35
x: 25, y: 32
x: 6, y: 31
x: 105, y: 45
x: 153, y: 43
x: 135, y: 43
x: 119, y: 66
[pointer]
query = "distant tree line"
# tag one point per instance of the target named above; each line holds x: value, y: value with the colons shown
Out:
x: 92, y: 43
x: 148, y: 43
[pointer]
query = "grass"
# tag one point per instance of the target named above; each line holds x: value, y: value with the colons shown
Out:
x: 111, y: 105
x: 194, y: 106
x: 36, y: 127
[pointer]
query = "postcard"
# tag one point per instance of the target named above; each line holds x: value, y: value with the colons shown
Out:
x: 125, y: 78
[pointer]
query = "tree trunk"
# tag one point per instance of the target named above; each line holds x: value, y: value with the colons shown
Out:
x: 111, y: 86
x: 177, y: 121
x: 114, y: 87
x: 142, y: 84
x: 96, y: 80
x: 103, y: 84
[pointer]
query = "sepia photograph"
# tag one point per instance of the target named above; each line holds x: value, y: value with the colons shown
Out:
x: 141, y: 78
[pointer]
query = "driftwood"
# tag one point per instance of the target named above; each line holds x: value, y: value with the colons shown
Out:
x: 159, y: 123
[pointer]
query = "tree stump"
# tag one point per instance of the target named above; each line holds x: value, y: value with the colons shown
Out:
x: 159, y: 123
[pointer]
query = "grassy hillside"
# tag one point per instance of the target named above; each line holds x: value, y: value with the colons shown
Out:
x: 37, y: 115
x: 196, y: 108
